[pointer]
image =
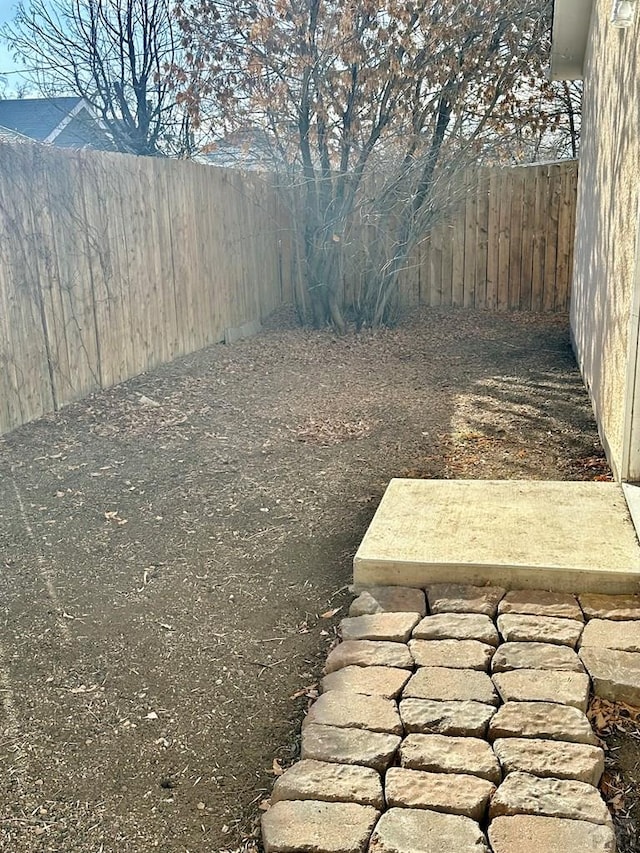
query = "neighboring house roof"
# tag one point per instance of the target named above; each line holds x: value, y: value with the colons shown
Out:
x: 571, y: 19
x: 66, y: 122
x: 8, y: 135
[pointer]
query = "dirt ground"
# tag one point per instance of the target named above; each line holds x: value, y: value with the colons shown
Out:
x: 174, y: 549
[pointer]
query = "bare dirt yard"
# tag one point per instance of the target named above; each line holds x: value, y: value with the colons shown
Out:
x: 175, y: 552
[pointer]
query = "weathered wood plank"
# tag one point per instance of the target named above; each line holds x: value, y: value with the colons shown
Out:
x: 565, y: 240
x: 515, y: 242
x: 470, y: 238
x: 527, y: 226
x: 457, y: 232
x: 538, y: 240
x: 447, y: 262
x: 493, y: 239
x: 437, y: 296
x: 44, y: 264
x: 551, y: 238
x: 504, y: 238
x: 63, y: 182
x: 572, y: 231
x: 482, y: 238
x: 26, y: 355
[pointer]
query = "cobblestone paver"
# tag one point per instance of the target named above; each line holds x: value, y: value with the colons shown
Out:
x: 443, y: 792
x: 548, y: 758
x: 321, y: 780
x: 457, y: 654
x: 535, y: 656
x: 522, y: 793
x: 535, y: 834
x: 615, y: 675
x: 525, y: 685
x: 395, y: 627
x: 521, y: 627
x: 461, y: 719
x: 389, y: 599
x: 542, y: 720
x: 607, y: 634
x: 355, y: 711
x: 457, y: 626
x: 541, y: 603
x: 456, y: 721
x: 386, y: 681
x: 458, y: 685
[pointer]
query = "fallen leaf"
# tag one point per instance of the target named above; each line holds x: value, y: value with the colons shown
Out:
x: 276, y: 769
x: 617, y: 803
x: 330, y: 613
x: 600, y: 721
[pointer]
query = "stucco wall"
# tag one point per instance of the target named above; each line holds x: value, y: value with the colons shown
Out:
x: 607, y: 217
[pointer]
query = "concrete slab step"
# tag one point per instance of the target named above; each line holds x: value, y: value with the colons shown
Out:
x: 571, y: 537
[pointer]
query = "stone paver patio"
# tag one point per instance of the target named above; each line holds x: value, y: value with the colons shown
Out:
x: 454, y: 722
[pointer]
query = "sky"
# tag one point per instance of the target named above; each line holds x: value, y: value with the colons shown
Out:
x: 7, y: 11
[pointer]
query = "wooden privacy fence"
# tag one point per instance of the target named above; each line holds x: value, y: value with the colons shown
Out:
x: 111, y: 264
x: 508, y: 246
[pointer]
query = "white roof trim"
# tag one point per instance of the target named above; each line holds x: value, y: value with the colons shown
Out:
x: 571, y: 20
x: 57, y: 130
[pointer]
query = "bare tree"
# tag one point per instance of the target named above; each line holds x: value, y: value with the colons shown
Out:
x: 372, y: 105
x: 117, y: 55
x: 542, y: 121
x: 565, y: 115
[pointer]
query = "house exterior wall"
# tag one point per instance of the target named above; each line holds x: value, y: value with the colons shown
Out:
x: 602, y: 302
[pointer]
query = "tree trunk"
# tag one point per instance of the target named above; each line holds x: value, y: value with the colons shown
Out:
x: 323, y: 281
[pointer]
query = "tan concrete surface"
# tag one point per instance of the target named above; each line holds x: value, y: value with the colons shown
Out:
x: 562, y: 536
